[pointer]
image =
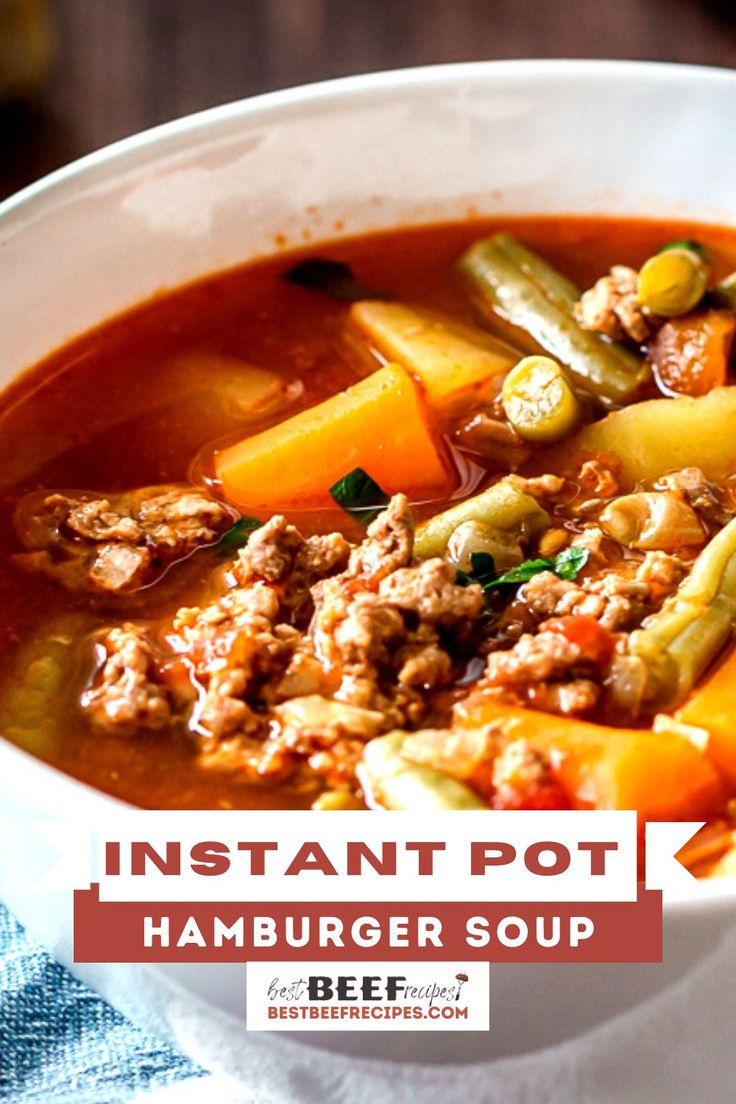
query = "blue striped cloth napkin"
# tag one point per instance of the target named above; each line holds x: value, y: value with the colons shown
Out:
x: 62, y: 1044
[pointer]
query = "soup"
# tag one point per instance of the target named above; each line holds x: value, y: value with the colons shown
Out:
x: 434, y: 518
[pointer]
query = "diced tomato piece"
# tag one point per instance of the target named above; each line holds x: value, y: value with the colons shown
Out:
x: 175, y: 672
x: 595, y: 642
x: 548, y: 793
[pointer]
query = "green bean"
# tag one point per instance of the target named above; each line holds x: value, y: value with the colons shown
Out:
x: 504, y: 507
x: 539, y: 401
x: 558, y: 289
x: 472, y: 537
x: 399, y: 784
x: 678, y: 643
x: 724, y: 292
x: 530, y: 299
x: 459, y: 752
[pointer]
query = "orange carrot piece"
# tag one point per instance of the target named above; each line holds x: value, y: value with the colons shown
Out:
x: 378, y: 424
x: 661, y: 774
x: 690, y: 354
x: 712, y: 706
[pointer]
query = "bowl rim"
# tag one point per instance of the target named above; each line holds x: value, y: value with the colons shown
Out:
x: 354, y: 86
x: 166, y: 137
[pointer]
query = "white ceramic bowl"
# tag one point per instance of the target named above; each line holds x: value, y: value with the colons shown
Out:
x: 316, y: 163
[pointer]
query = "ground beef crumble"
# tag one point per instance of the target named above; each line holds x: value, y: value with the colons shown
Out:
x: 551, y: 671
x: 611, y: 307
x: 544, y: 670
x: 619, y: 600
x: 119, y: 543
x: 316, y: 647
x: 127, y: 697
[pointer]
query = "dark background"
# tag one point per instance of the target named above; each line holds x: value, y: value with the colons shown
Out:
x: 122, y: 65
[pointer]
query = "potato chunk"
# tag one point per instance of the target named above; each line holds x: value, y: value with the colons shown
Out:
x: 446, y: 357
x: 661, y: 435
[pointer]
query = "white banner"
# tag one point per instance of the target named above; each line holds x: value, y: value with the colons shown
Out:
x: 367, y: 856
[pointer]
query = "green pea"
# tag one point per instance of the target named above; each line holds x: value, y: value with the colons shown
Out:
x: 672, y: 282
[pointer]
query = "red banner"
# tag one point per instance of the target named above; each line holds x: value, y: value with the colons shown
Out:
x: 143, y: 931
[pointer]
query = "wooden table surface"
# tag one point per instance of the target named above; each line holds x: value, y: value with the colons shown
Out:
x: 122, y: 65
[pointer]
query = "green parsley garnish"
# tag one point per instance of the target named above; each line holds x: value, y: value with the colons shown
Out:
x: 566, y: 565
x: 691, y: 246
x: 237, y: 535
x: 332, y: 277
x: 359, y: 495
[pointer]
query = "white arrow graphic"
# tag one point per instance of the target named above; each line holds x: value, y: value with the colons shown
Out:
x: 663, y: 870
